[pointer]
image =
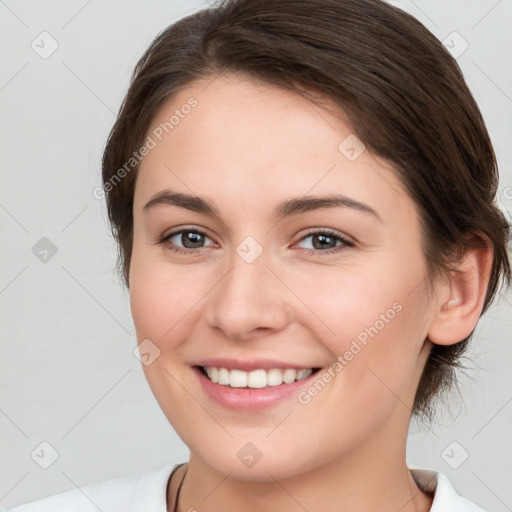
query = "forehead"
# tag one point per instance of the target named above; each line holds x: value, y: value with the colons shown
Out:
x: 244, y: 141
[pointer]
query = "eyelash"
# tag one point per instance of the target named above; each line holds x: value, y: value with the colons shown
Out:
x: 314, y: 252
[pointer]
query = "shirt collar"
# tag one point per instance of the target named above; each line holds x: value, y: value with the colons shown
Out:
x: 445, y: 496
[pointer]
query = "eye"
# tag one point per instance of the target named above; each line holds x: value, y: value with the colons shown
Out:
x: 191, y: 239
x: 326, y: 242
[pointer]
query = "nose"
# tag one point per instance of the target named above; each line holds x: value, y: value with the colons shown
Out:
x: 249, y: 301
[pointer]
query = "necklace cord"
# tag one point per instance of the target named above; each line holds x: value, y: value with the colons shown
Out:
x: 175, y: 508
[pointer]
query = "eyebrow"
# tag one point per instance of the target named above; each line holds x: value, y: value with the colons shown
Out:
x: 287, y: 208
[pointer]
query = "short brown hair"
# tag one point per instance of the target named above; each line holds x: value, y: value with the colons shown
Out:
x: 403, y: 93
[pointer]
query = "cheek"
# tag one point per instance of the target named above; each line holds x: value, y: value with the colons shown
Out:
x: 166, y: 299
x: 375, y: 328
x: 162, y: 299
x: 153, y: 295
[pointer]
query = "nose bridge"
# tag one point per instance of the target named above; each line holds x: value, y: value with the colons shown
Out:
x: 248, y: 297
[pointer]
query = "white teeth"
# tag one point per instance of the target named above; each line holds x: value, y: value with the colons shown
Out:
x: 274, y: 377
x: 223, y: 377
x: 237, y: 379
x: 256, y: 378
x: 289, y: 375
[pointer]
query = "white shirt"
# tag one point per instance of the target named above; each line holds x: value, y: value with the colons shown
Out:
x: 147, y: 493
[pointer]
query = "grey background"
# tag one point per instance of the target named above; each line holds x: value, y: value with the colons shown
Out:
x: 68, y: 375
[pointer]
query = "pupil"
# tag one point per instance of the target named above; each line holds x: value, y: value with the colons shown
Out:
x: 323, y: 238
x: 190, y: 238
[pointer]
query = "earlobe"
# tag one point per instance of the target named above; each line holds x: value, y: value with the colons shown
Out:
x: 460, y: 300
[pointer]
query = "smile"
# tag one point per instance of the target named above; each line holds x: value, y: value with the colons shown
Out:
x: 252, y: 385
x: 256, y: 379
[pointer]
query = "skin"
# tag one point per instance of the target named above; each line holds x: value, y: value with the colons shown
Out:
x: 246, y: 147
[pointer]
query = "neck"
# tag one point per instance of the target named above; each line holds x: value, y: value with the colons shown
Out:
x: 366, y: 478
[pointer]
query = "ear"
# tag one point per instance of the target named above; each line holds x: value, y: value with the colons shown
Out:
x: 460, y: 298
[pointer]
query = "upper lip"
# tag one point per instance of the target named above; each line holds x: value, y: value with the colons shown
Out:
x: 253, y: 364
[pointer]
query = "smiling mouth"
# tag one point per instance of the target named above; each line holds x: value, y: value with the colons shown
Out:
x: 255, y: 379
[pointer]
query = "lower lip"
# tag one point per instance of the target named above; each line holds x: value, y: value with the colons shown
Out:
x: 253, y: 399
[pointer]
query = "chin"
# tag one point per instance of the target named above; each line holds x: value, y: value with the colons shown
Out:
x: 257, y: 462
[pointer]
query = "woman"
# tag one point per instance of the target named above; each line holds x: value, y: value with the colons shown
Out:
x: 303, y: 197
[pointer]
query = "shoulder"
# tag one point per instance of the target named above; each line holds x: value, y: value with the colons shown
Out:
x: 446, y: 498
x: 142, y: 492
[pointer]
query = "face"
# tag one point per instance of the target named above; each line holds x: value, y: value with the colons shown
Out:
x: 254, y: 274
